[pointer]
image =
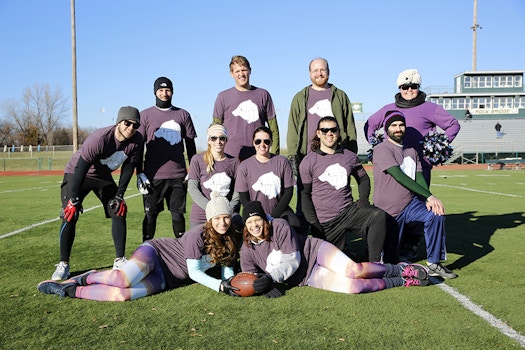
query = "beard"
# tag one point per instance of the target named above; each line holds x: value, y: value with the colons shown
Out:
x: 398, y: 138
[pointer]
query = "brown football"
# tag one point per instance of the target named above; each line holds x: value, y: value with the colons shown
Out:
x: 244, y: 281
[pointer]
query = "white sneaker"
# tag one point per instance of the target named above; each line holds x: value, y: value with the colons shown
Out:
x: 119, y: 262
x: 62, y: 271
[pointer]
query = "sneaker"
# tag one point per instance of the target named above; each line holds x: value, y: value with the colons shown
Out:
x: 438, y: 270
x: 80, y: 280
x: 52, y: 287
x: 62, y: 271
x: 414, y: 271
x: 119, y: 262
x: 414, y: 282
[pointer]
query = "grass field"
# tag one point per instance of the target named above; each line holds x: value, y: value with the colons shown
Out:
x: 486, y: 245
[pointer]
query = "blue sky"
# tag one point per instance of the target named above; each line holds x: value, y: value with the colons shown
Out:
x: 124, y: 45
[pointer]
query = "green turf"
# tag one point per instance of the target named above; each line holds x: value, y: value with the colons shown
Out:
x: 485, y: 244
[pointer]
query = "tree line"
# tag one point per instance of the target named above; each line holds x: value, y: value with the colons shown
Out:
x: 39, y: 117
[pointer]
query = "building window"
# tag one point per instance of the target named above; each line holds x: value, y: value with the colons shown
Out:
x: 519, y: 102
x: 518, y: 81
x: 481, y: 102
x: 466, y: 83
x: 447, y: 103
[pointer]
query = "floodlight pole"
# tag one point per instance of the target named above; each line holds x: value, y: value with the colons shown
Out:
x: 74, y: 77
x: 475, y: 27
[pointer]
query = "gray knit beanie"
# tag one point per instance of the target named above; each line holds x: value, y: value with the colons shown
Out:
x: 128, y: 113
x: 218, y: 205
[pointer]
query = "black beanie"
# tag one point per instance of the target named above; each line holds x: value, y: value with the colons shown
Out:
x: 253, y: 209
x: 392, y: 116
x: 162, y: 83
x: 128, y: 113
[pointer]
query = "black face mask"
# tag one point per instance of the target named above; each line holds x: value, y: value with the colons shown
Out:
x: 162, y: 104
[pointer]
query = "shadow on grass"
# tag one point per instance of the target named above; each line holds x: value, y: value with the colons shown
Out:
x: 469, y: 235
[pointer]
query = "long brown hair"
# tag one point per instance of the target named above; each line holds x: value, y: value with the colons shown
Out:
x: 223, y: 248
x: 266, y: 233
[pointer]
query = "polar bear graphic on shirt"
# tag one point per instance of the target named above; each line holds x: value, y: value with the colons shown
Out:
x: 335, y: 175
x: 170, y: 131
x: 268, y: 184
x: 322, y: 108
x: 219, y: 182
x: 247, y: 110
x: 115, y: 160
x: 409, y: 167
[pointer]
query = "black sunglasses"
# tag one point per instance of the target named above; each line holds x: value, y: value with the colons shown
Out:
x: 128, y: 123
x: 326, y: 130
x: 214, y: 138
x: 411, y: 86
x: 266, y: 142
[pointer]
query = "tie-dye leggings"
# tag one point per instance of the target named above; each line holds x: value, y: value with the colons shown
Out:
x: 141, y: 276
x: 336, y: 272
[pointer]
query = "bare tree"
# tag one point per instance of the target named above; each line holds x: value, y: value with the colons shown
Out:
x: 39, y: 115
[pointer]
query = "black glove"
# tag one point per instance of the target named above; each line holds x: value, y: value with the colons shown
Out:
x: 143, y: 184
x: 274, y: 293
x: 72, y: 209
x: 263, y: 283
x: 227, y: 288
x: 117, y: 207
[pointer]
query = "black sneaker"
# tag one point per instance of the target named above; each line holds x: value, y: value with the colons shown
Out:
x: 438, y: 270
x: 52, y: 287
x: 80, y: 280
x: 413, y: 271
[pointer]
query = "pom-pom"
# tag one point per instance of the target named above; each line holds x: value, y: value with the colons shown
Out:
x: 374, y: 140
x: 436, y: 147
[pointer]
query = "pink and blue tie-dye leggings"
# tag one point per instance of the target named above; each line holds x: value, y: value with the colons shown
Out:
x: 141, y: 276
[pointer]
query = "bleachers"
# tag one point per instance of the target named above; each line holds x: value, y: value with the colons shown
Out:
x: 476, y: 136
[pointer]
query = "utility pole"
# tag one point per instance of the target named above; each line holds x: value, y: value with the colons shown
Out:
x: 475, y: 27
x: 74, y: 77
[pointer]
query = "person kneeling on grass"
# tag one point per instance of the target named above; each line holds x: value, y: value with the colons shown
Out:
x: 274, y: 248
x: 164, y: 263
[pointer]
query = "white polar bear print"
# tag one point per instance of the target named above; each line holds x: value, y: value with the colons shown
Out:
x: 170, y: 131
x: 335, y: 175
x: 219, y: 182
x: 322, y: 108
x: 276, y: 259
x: 115, y: 160
x: 248, y: 111
x: 269, y: 184
x: 409, y: 167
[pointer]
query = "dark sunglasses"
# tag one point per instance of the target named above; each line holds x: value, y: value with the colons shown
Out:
x: 266, y: 142
x: 326, y: 130
x: 411, y: 86
x: 214, y: 138
x: 128, y: 123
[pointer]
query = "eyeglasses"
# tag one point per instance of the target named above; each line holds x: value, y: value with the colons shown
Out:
x: 325, y: 131
x: 411, y: 86
x: 128, y: 123
x: 214, y: 138
x: 266, y: 142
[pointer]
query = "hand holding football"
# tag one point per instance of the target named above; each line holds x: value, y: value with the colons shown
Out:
x: 244, y: 281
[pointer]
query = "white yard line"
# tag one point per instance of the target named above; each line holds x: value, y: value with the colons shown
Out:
x: 480, y: 191
x: 52, y: 220
x: 478, y: 310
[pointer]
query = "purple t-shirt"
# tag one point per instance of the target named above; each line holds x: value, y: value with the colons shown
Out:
x: 173, y: 253
x: 266, y: 256
x: 164, y: 131
x: 329, y: 175
x: 319, y: 106
x: 389, y: 194
x: 265, y: 182
x: 419, y: 121
x: 105, y: 153
x: 221, y: 180
x: 241, y: 113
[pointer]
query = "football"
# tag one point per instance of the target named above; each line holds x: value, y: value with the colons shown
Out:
x: 244, y: 281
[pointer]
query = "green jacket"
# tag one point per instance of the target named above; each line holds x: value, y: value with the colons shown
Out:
x: 297, y: 137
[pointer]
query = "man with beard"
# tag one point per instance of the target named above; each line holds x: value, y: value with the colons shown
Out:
x: 398, y: 186
x: 328, y: 203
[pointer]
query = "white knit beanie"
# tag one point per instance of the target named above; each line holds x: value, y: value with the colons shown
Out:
x: 409, y: 76
x: 218, y: 205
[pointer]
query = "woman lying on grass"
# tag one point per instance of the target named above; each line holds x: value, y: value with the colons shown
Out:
x: 164, y: 263
x: 297, y: 260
